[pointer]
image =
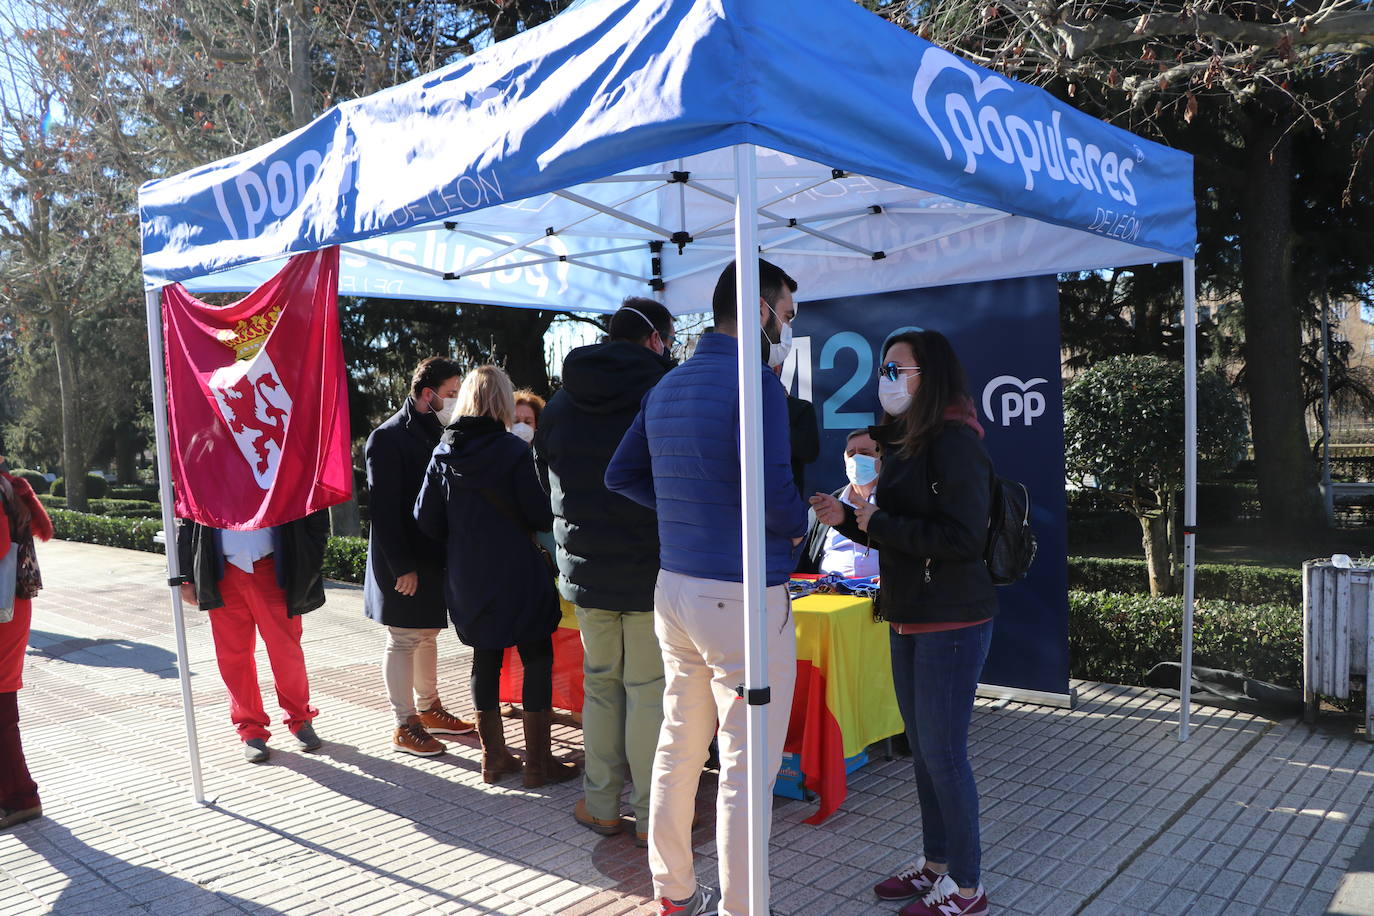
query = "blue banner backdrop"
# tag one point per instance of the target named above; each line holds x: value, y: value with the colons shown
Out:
x: 1007, y: 335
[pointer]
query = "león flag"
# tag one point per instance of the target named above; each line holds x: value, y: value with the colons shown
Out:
x: 257, y: 399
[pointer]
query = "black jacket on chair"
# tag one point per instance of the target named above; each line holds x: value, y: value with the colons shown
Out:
x: 607, y: 544
x: 481, y: 498
x: 931, y: 528
x: 297, y: 552
x: 397, y: 454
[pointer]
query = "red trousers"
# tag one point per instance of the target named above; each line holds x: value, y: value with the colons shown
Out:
x: 256, y: 604
x: 17, y: 788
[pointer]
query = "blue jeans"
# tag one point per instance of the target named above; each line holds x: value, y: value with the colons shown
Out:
x: 935, y: 675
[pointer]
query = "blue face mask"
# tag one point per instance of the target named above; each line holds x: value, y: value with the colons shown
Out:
x: 862, y: 470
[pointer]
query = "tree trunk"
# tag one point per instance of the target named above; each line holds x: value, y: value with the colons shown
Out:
x: 1273, y: 337
x: 345, y: 519
x: 1154, y: 536
x: 521, y: 348
x: 125, y: 440
x: 298, y: 37
x: 73, y: 458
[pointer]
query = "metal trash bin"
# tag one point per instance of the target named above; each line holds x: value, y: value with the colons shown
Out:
x: 1336, y: 632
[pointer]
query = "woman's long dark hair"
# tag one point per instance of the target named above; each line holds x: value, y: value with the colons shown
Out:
x: 943, y: 383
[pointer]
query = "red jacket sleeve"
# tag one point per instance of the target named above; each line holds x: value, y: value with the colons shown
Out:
x: 41, y: 524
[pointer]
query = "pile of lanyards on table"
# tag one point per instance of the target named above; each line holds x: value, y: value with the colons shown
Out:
x: 834, y: 584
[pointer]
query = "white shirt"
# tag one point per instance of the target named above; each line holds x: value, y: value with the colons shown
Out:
x: 843, y: 556
x: 244, y: 548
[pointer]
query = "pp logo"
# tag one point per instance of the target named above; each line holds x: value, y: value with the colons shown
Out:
x: 1021, y: 402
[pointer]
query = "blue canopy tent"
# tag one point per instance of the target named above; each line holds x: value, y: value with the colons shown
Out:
x: 633, y: 147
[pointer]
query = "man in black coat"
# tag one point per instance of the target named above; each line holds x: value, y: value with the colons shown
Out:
x: 608, y: 556
x: 404, y: 588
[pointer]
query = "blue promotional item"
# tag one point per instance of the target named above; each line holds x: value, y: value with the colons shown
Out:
x: 1007, y: 336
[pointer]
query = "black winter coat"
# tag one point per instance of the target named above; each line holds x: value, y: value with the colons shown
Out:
x: 397, y: 454
x: 482, y: 499
x: 607, y: 544
x: 931, y: 528
x: 297, y: 553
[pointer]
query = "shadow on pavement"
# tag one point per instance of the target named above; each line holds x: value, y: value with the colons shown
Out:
x: 91, y: 872
x: 104, y: 653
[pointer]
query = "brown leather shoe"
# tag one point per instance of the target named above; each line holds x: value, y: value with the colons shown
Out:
x: 595, y: 824
x: 412, y: 738
x: 439, y: 721
x: 496, y: 760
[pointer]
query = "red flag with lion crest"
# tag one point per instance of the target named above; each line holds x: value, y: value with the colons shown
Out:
x: 258, y: 399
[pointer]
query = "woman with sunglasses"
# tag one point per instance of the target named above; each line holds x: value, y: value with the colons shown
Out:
x: 929, y: 523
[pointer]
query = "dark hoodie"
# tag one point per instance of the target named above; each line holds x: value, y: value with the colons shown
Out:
x: 481, y: 498
x: 607, y: 544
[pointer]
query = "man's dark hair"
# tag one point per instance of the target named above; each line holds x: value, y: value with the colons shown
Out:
x: 626, y: 325
x: 772, y: 279
x: 431, y: 373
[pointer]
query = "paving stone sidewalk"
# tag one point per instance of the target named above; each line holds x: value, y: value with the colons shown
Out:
x: 1099, y: 810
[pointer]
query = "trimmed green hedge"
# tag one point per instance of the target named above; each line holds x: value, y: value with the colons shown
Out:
x: 1117, y: 638
x: 34, y: 478
x: 95, y: 486
x: 1241, y: 584
x: 345, y: 558
x: 132, y: 533
x: 120, y: 508
x: 145, y: 491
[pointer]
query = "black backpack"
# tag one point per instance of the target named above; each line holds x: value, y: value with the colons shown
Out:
x: 1011, y: 543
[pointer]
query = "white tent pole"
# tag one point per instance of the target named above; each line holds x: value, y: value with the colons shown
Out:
x: 751, y: 518
x: 1189, y: 489
x: 158, y: 374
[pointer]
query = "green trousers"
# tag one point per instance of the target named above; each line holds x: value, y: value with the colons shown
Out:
x: 622, y: 710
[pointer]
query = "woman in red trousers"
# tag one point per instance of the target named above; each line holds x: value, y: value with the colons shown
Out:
x: 21, y: 520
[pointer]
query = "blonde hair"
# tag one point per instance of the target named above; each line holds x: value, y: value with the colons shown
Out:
x: 487, y: 392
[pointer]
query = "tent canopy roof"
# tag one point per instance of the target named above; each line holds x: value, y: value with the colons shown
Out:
x: 588, y: 159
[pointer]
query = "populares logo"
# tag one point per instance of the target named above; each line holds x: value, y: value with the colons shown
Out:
x: 965, y: 102
x: 252, y: 399
x: 1020, y: 403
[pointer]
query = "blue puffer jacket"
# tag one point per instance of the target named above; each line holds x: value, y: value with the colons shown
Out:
x: 680, y: 457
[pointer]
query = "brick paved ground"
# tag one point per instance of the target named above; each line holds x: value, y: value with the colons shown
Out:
x: 1098, y: 811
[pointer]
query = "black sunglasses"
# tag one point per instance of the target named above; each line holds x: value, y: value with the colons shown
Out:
x: 892, y: 371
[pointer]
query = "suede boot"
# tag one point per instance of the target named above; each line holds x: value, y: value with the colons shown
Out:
x: 496, y: 760
x: 540, y: 765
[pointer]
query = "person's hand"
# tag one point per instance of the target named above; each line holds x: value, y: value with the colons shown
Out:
x: 828, y: 509
x: 862, y: 513
x: 408, y: 584
x: 188, y: 593
x: 796, y: 541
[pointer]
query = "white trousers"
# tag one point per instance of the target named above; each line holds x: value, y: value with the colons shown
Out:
x: 700, y: 627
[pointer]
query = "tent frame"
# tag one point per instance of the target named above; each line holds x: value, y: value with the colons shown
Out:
x: 745, y: 251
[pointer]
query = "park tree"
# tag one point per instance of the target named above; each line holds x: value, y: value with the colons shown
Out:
x: 1254, y: 90
x: 102, y: 95
x: 1123, y: 435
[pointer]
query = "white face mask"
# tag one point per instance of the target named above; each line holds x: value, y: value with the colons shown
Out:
x: 444, y: 414
x: 861, y: 470
x: 777, y: 352
x: 524, y: 431
x: 894, y: 397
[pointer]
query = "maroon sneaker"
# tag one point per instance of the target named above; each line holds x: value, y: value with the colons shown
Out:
x: 943, y: 900
x: 913, y: 880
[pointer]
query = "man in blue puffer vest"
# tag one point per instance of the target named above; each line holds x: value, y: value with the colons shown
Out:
x: 680, y: 457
